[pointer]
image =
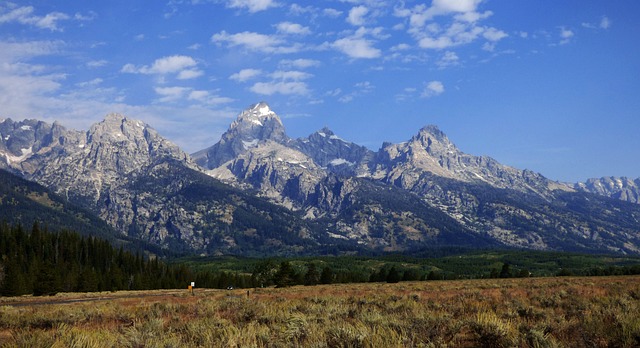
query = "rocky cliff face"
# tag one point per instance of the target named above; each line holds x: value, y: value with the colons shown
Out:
x: 430, y: 151
x: 624, y: 189
x: 334, y: 153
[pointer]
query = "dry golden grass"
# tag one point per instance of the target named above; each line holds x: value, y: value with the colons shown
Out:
x: 534, y: 312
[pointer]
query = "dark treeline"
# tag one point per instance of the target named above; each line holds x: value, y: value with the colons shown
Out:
x: 40, y: 262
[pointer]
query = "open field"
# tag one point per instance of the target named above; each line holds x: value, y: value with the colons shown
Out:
x: 529, y: 312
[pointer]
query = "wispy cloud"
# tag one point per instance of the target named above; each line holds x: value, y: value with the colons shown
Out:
x: 252, y: 5
x: 461, y: 29
x: 280, y: 87
x: 245, y: 75
x: 357, y: 45
x: 254, y: 41
x: 286, y: 82
x: 184, y: 66
x: 604, y: 23
x: 360, y: 88
x: 356, y: 15
x: 448, y: 59
x: 182, y: 94
x: 432, y: 89
x: 565, y: 35
x: 300, y: 63
x: 10, y: 12
x: 292, y: 28
x: 97, y: 63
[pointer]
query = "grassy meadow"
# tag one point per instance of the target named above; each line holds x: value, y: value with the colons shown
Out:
x: 527, y: 312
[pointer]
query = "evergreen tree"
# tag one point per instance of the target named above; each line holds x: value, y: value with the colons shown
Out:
x: 14, y: 283
x: 46, y: 282
x: 433, y: 276
x: 506, y: 271
x: 88, y: 281
x: 285, y: 275
x: 312, y: 277
x: 263, y: 273
x: 326, y: 277
x: 393, y: 276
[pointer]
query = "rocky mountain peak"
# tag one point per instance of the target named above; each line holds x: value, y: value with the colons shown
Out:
x: 434, y: 140
x: 258, y: 122
x: 128, y: 143
x: 117, y: 127
x: 325, y: 131
x: 254, y: 125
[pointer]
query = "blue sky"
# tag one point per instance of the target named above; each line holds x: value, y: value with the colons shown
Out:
x: 547, y: 85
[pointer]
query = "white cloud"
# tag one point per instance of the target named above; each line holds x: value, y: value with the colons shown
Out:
x: 171, y: 64
x: 97, y: 63
x: 198, y: 95
x: 473, y: 16
x: 448, y: 6
x: 356, y: 15
x: 432, y: 88
x: 331, y: 12
x: 448, y: 59
x: 436, y: 43
x: 400, y: 47
x: 189, y: 74
x: 604, y: 23
x: 175, y: 94
x: 290, y: 75
x: 493, y: 34
x: 183, y: 66
x: 300, y: 63
x: 462, y: 29
x: 280, y: 87
x: 357, y: 47
x: 170, y: 94
x: 14, y: 51
x: 93, y: 82
x: 245, y: 74
x: 286, y: 82
x: 360, y: 88
x: 252, y: 5
x: 292, y: 28
x: 25, y: 15
x: 254, y: 41
x: 565, y: 35
x: 207, y: 98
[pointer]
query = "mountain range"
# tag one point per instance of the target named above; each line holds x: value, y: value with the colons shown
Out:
x: 259, y: 192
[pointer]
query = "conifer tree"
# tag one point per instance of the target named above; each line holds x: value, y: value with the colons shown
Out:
x: 327, y: 275
x: 312, y: 277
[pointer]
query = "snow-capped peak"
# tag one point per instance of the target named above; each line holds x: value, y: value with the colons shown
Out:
x: 260, y: 110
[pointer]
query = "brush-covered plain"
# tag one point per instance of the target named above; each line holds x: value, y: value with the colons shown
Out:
x: 529, y: 312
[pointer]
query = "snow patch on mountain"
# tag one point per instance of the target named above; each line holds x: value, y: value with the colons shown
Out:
x: 339, y: 161
x: 26, y: 153
x: 249, y: 144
